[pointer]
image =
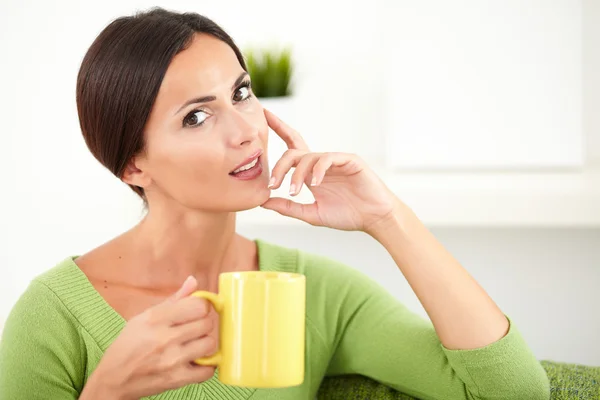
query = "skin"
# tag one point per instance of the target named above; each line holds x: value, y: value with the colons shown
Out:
x: 189, y: 231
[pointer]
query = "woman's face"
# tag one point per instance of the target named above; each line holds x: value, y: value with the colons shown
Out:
x: 204, y: 126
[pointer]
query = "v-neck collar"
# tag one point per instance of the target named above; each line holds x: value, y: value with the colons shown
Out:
x: 104, y: 324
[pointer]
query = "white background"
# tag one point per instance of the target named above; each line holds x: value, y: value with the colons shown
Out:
x: 57, y: 201
x: 484, y: 84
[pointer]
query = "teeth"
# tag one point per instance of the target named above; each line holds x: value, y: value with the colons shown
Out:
x: 247, y: 166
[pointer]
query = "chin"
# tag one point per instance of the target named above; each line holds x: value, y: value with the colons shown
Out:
x: 257, y: 199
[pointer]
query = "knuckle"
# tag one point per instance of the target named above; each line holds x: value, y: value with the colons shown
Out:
x: 297, y: 175
x: 152, y: 316
x: 160, y: 344
x: 351, y: 156
x: 307, y: 159
x: 323, y: 160
x: 209, y: 345
x: 288, y: 204
x: 169, y: 363
x: 297, y: 142
x: 194, y: 308
x: 172, y: 378
x: 207, y: 325
x: 290, y: 153
x: 202, y: 308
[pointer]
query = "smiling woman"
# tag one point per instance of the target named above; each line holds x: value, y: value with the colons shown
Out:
x: 165, y: 103
x: 183, y: 114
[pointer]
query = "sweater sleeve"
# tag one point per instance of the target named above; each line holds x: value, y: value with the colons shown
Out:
x: 40, y: 349
x: 374, y: 335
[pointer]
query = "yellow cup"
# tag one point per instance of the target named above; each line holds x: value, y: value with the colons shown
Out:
x: 262, y: 328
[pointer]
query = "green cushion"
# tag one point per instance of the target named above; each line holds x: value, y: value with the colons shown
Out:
x: 572, y: 381
x: 567, y: 381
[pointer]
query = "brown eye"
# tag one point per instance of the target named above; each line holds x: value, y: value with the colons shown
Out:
x: 195, y: 118
x: 243, y: 93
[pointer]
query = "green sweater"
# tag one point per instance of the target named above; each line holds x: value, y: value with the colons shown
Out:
x: 59, y: 329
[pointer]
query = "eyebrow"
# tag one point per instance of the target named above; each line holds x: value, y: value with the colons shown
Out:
x: 206, y: 99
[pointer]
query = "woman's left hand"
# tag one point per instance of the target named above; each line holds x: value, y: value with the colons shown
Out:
x: 348, y: 195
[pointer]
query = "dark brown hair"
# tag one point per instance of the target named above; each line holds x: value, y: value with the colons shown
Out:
x: 121, y: 74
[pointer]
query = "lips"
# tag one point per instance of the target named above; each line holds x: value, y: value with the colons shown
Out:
x: 248, y: 163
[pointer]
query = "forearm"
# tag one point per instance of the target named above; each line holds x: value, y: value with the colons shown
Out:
x: 463, y: 315
x: 99, y: 387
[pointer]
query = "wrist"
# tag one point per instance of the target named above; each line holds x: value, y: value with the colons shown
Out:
x: 101, y: 385
x: 393, y: 226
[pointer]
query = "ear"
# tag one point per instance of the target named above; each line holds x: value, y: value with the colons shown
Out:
x: 135, y: 174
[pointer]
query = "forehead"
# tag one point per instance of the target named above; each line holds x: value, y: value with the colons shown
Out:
x: 207, y: 66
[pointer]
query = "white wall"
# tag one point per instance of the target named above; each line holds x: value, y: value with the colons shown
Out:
x: 484, y: 84
x: 591, y: 79
x: 55, y: 200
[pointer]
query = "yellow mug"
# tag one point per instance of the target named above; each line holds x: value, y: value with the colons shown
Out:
x: 262, y: 328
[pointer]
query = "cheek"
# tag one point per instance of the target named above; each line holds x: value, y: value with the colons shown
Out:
x: 264, y: 135
x: 179, y: 163
x: 200, y: 163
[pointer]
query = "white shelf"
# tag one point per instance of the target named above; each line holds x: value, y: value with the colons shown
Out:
x: 471, y: 199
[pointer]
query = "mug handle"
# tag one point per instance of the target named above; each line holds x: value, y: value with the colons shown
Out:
x: 217, y: 303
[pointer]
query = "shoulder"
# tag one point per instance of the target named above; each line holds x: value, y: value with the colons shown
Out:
x: 41, y: 308
x: 322, y: 272
x: 288, y: 259
x: 43, y: 291
x: 41, y: 331
x: 341, y: 287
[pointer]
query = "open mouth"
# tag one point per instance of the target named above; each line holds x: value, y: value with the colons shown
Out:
x: 246, y: 167
x: 250, y: 169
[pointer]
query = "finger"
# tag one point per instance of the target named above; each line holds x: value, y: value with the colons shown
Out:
x: 320, y: 169
x: 188, y: 287
x: 304, y: 212
x: 171, y: 312
x: 202, y: 347
x: 184, y: 311
x: 292, y: 139
x: 303, y: 169
x: 288, y: 160
x: 348, y: 164
x: 194, y: 373
x: 193, y: 330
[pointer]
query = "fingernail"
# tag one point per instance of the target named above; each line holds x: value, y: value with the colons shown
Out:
x: 184, y: 284
x: 292, y: 189
x: 314, y: 181
x: 271, y: 182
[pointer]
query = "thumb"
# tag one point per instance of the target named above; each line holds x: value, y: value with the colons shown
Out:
x: 304, y: 212
x: 188, y: 287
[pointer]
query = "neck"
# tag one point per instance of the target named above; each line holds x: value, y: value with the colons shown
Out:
x: 174, y: 246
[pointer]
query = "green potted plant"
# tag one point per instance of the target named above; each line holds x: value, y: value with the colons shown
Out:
x: 271, y: 72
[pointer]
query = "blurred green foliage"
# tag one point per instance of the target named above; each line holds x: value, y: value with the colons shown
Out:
x: 270, y: 71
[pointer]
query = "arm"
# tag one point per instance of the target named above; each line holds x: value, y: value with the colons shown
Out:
x: 98, y: 387
x: 43, y: 356
x: 40, y: 354
x: 374, y: 335
x: 475, y: 334
x: 463, y: 315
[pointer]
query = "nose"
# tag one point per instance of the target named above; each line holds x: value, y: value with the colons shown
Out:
x: 240, y: 129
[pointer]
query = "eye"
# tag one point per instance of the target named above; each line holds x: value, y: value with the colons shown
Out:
x: 195, y: 118
x: 242, y: 93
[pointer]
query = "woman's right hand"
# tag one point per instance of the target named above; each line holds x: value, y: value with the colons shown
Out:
x: 156, y: 349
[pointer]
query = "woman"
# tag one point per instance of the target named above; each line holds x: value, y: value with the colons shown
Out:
x: 165, y: 103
